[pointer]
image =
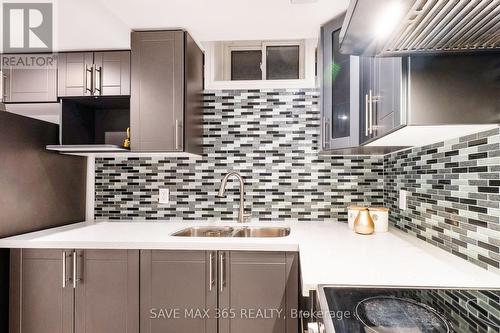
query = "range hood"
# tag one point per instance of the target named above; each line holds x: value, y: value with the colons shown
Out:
x: 400, y: 27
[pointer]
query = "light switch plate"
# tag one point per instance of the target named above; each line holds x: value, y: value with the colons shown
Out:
x: 164, y: 196
x: 402, y: 199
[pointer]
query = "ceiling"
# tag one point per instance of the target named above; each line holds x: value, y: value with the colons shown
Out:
x: 106, y: 24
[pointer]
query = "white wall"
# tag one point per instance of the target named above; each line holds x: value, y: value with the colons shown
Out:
x: 84, y: 25
x: 87, y: 24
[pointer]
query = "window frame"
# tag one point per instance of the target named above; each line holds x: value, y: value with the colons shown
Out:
x: 262, y: 46
x: 215, y: 55
x: 236, y: 46
x: 298, y: 43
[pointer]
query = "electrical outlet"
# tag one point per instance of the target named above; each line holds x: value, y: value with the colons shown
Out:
x: 164, y: 196
x: 402, y: 199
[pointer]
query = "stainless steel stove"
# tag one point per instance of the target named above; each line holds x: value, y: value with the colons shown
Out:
x: 405, y: 310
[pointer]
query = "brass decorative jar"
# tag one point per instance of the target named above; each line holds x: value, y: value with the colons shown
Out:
x: 364, y: 224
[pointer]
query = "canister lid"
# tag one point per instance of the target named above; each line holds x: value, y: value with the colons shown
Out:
x: 378, y: 209
x: 356, y: 207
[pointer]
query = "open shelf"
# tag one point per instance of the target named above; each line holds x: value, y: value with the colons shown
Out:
x: 94, y: 124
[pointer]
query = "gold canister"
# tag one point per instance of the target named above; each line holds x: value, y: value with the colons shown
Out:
x: 364, y: 224
x: 126, y: 142
x: 352, y: 213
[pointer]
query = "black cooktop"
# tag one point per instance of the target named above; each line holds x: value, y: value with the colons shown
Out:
x: 389, y: 310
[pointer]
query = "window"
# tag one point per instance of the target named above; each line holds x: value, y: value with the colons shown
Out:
x: 261, y: 60
x: 260, y: 64
x: 283, y: 62
x: 246, y: 65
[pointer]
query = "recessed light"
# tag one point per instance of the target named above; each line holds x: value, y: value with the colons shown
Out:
x: 298, y: 2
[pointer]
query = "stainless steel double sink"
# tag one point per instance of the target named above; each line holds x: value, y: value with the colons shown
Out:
x: 243, y: 232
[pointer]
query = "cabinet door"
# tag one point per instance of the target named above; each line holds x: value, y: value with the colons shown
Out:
x: 367, y: 93
x: 387, y: 102
x: 176, y: 286
x: 32, y: 84
x: 75, y: 74
x: 258, y: 281
x: 112, y: 76
x: 340, y: 90
x: 107, y: 293
x: 156, y: 102
x: 39, y: 303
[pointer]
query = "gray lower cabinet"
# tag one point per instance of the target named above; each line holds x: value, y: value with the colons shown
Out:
x: 174, y: 283
x: 232, y: 285
x: 46, y: 297
x: 38, y: 301
x: 167, y: 84
x: 265, y: 281
x: 122, y: 291
x: 107, y: 293
x: 31, y: 83
x: 104, y: 73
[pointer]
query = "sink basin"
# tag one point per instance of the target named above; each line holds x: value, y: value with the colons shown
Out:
x: 205, y: 232
x: 242, y: 232
x: 262, y: 232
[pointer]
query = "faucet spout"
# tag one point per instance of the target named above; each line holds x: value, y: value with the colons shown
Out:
x: 241, y: 212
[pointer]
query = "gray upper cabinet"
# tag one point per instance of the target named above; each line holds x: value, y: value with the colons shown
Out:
x: 183, y: 280
x: 451, y: 89
x: 66, y: 291
x: 381, y: 95
x: 389, y: 94
x: 30, y: 84
x: 167, y: 85
x: 367, y: 86
x: 94, y: 74
x: 75, y: 74
x: 112, y: 71
x: 339, y: 75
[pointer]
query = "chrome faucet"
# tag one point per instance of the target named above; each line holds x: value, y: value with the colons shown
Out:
x: 241, y: 213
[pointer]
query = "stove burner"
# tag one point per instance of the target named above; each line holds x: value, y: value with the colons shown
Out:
x: 388, y: 314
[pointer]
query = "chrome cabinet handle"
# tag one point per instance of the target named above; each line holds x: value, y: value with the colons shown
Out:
x: 371, y: 111
x: 324, y: 131
x: 211, y: 271
x: 327, y: 132
x: 176, y: 134
x: 89, y: 71
x: 366, y: 115
x: 75, y: 270
x: 64, y: 278
x: 178, y: 124
x: 2, y: 87
x: 222, y: 271
x: 98, y: 82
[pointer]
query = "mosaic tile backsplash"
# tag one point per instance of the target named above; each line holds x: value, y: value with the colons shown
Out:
x: 270, y: 137
x: 453, y: 195
x: 471, y: 311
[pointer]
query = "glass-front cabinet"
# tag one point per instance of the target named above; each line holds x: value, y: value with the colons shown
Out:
x: 339, y: 76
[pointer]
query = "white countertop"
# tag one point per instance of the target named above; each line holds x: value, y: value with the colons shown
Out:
x: 329, y: 252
